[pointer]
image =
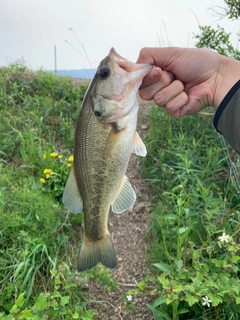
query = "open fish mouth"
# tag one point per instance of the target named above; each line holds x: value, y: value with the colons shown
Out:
x: 137, y: 70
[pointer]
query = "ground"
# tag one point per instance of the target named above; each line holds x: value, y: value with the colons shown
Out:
x: 128, y: 231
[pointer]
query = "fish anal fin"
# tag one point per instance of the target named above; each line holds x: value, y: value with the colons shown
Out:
x: 92, y: 253
x: 138, y: 146
x: 125, y: 198
x: 71, y: 197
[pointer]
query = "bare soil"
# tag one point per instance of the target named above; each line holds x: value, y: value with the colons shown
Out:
x: 128, y: 232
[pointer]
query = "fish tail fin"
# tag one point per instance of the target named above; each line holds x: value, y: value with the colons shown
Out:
x: 92, y: 253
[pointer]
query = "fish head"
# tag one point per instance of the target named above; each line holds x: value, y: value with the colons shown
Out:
x: 116, y: 84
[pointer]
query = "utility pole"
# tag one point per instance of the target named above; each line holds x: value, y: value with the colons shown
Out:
x: 55, y: 58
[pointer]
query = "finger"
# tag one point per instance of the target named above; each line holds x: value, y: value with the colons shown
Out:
x: 176, y: 107
x: 162, y: 97
x: 148, y: 92
x: 153, y: 76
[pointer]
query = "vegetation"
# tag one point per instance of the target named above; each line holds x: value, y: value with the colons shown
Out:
x: 38, y: 239
x: 194, y: 231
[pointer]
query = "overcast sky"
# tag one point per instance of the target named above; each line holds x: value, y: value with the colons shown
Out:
x: 29, y: 29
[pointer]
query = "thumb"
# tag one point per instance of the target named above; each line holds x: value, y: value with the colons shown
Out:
x: 160, y: 57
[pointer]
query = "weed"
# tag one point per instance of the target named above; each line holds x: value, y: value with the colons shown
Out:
x: 193, y: 214
x: 55, y: 304
x: 39, y: 239
x: 55, y: 173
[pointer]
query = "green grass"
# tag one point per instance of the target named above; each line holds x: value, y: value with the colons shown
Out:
x: 194, y: 201
x: 39, y: 240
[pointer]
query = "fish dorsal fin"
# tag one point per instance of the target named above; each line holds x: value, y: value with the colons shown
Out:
x: 125, y: 198
x: 138, y: 146
x: 71, y: 197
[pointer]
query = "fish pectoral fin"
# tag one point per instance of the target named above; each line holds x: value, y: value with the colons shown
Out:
x: 71, y: 197
x: 138, y: 146
x: 125, y: 198
x: 112, y: 140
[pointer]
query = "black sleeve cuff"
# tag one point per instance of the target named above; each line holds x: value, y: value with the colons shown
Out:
x: 227, y: 117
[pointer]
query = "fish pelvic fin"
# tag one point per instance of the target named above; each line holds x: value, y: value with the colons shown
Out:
x: 125, y: 198
x: 71, y: 197
x: 94, y: 252
x: 138, y: 146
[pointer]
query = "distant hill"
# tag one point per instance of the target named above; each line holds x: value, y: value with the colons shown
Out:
x: 83, y: 73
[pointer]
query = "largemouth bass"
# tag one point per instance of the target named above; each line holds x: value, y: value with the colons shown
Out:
x: 105, y: 137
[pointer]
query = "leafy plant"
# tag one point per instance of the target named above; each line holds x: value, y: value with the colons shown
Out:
x: 37, y: 235
x: 195, y: 210
x: 217, y: 39
x: 55, y: 173
x: 55, y: 304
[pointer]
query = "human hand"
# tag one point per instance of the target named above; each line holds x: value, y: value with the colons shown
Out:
x: 184, y: 81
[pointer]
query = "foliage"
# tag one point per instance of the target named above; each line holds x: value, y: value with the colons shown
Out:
x: 55, y: 304
x: 102, y: 275
x: 35, y: 237
x: 55, y: 173
x: 217, y: 39
x: 38, y: 110
x: 39, y: 239
x: 233, y: 9
x: 195, y: 239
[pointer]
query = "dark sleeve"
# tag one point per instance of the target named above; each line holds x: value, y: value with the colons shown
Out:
x: 227, y: 117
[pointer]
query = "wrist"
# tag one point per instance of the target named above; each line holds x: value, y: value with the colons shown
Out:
x: 228, y: 75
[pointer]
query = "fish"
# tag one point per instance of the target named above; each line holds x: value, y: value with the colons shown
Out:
x: 105, y: 138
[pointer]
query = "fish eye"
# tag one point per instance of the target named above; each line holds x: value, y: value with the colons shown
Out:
x: 104, y: 73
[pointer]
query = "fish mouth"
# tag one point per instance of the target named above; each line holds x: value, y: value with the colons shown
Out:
x: 137, y: 71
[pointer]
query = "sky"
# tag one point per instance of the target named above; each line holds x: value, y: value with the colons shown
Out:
x: 83, y: 31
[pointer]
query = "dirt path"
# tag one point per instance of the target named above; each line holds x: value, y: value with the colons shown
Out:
x: 128, y: 232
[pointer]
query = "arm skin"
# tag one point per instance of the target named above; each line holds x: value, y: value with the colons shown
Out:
x: 185, y: 81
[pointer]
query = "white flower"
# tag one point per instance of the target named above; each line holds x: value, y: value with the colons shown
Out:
x: 224, y: 237
x: 129, y: 298
x: 206, y: 301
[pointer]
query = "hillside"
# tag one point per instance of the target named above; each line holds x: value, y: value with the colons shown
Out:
x: 83, y: 73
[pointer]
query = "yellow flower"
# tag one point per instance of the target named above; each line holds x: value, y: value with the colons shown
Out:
x: 70, y: 158
x: 180, y: 186
x: 47, y: 176
x: 44, y: 156
x: 59, y: 157
x: 53, y: 154
x: 42, y: 180
x: 69, y: 164
x: 47, y: 171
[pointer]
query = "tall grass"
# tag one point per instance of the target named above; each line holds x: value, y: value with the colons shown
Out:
x: 194, y: 206
x: 39, y: 240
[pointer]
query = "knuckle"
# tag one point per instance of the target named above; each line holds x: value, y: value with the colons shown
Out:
x: 159, y: 100
x: 145, y: 95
